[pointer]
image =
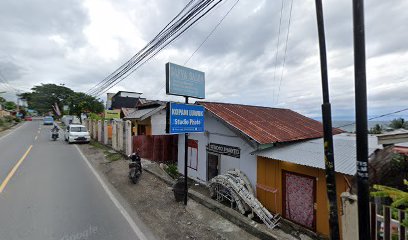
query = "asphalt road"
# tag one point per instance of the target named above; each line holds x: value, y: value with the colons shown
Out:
x: 49, y: 191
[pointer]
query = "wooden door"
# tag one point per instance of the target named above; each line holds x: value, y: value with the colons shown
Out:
x: 212, y: 165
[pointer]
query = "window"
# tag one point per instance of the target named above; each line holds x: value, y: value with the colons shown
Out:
x: 78, y: 129
x: 192, y: 154
x: 141, y: 130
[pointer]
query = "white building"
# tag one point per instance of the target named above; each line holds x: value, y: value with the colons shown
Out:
x: 233, y: 132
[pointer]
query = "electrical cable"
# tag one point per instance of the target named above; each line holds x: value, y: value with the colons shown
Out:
x: 277, y: 51
x: 202, y: 43
x: 130, y: 72
x: 286, y: 48
x: 372, y: 118
x: 166, y: 32
x: 212, y: 31
x: 188, y: 4
x: 181, y: 25
x: 153, y: 48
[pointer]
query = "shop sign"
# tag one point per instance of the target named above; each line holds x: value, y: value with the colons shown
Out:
x: 224, y: 150
x: 182, y: 81
x: 112, y: 114
x: 184, y: 118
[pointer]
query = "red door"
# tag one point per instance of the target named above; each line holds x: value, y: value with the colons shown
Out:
x: 299, y: 197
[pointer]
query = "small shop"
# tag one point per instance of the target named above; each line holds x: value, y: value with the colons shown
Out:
x: 291, y: 179
x: 233, y: 132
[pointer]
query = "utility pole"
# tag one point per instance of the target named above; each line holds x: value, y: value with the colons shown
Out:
x: 361, y: 119
x: 185, y: 165
x: 327, y: 129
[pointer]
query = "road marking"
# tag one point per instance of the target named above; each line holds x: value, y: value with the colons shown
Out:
x: 11, y: 173
x: 122, y: 210
x: 35, y: 138
x: 38, y: 131
x: 11, y: 131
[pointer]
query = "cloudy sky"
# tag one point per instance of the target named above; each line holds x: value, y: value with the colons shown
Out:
x: 79, y: 42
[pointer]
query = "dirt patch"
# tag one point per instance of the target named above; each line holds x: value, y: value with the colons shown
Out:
x: 154, y: 202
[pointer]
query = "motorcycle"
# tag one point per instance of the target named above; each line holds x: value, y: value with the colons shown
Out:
x: 54, y: 135
x: 135, y: 167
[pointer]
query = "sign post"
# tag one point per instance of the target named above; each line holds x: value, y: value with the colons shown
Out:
x: 184, y: 118
x: 185, y: 164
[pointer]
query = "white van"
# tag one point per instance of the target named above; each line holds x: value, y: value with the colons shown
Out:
x: 77, y: 133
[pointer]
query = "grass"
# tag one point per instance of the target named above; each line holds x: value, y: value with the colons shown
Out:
x: 113, y: 156
x: 6, y: 123
x: 110, y: 155
x: 99, y: 145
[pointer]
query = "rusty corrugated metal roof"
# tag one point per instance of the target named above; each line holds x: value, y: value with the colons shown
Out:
x: 265, y: 124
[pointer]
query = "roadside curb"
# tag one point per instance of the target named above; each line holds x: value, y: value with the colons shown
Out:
x: 7, y: 131
x: 228, y: 213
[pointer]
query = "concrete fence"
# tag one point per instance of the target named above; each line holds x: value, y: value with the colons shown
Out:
x: 105, y: 132
x: 117, y: 134
x: 100, y: 133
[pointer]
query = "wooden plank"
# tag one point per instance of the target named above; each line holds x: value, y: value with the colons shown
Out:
x: 402, y: 230
x: 387, y: 223
x: 373, y: 220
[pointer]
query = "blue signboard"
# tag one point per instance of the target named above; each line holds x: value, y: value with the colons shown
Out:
x: 184, y: 118
x: 182, y: 81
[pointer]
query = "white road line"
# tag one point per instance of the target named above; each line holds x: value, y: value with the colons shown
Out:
x: 35, y: 138
x: 122, y: 210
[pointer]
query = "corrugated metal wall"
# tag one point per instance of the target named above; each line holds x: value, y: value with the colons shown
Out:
x: 161, y: 148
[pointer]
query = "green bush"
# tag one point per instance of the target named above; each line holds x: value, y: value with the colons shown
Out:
x: 9, y: 119
x: 1, y: 122
x: 172, y: 170
x: 17, y: 120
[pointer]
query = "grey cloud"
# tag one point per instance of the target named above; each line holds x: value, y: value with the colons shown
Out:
x: 44, y: 18
x: 239, y: 58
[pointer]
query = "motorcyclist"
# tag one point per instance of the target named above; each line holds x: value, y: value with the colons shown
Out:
x: 55, y: 128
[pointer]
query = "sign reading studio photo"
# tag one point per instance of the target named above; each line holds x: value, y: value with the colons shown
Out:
x: 224, y: 150
x: 184, y: 118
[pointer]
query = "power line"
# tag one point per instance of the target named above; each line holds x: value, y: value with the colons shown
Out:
x: 380, y: 116
x: 286, y: 48
x: 165, y: 37
x: 277, y: 51
x: 169, y: 32
x: 205, y: 39
x: 151, y: 41
x: 160, y: 49
x: 212, y: 31
x: 130, y: 63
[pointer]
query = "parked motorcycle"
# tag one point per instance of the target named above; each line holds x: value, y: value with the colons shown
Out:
x: 135, y: 167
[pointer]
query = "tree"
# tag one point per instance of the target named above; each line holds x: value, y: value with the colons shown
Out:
x: 2, y: 100
x: 43, y: 97
x: 377, y: 129
x: 80, y: 102
x: 9, y: 105
x: 398, y: 123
